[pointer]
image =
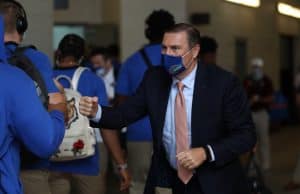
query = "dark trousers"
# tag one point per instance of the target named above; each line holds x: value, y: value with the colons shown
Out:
x: 193, y: 186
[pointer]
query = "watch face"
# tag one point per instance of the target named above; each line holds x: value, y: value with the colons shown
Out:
x: 122, y: 166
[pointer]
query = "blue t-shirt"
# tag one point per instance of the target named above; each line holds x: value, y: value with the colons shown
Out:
x: 23, y: 119
x: 88, y: 85
x: 130, y: 77
x: 41, y: 62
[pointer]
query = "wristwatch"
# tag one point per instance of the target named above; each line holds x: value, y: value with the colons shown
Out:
x: 122, y: 166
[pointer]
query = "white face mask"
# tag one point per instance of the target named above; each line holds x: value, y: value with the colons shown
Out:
x: 258, y: 74
x: 100, y: 72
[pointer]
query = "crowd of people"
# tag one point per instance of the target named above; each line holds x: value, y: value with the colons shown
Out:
x: 171, y: 119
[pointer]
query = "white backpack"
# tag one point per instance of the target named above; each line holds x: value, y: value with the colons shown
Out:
x: 79, y: 140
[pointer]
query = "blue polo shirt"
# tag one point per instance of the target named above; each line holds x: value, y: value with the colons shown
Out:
x: 23, y: 119
x: 88, y: 85
x: 130, y: 77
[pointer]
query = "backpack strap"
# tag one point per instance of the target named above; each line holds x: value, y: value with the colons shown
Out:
x: 20, y: 60
x: 21, y: 48
x: 76, y: 77
x: 18, y: 48
x: 145, y: 57
x: 57, y: 78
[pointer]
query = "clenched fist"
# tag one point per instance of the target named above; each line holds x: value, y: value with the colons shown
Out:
x: 88, y: 106
x: 192, y: 158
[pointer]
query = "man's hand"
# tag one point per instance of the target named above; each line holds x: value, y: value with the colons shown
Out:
x: 57, y: 101
x: 88, y: 106
x: 125, y: 179
x: 192, y: 158
x: 56, y: 98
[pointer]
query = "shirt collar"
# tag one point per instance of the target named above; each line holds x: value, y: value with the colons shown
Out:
x: 189, y: 80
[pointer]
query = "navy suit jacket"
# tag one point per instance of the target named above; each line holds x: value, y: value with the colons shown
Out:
x: 220, y: 118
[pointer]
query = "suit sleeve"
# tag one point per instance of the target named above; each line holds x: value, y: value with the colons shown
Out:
x: 41, y: 132
x: 133, y: 109
x: 240, y: 136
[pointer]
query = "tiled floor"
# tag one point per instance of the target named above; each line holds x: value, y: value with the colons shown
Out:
x: 285, y: 150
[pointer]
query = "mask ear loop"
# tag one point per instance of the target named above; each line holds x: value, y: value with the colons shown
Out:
x: 190, y: 60
x: 187, y: 52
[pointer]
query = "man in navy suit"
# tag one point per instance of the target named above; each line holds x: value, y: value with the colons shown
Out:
x: 199, y: 115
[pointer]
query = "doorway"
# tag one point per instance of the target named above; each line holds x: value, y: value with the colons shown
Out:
x: 287, y: 73
x: 241, y: 57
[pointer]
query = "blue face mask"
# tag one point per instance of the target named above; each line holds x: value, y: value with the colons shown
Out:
x: 174, y: 64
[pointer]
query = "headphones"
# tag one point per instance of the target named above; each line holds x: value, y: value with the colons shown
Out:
x: 21, y: 18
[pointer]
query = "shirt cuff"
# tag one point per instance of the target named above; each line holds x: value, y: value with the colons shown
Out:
x: 212, y: 159
x: 97, y: 118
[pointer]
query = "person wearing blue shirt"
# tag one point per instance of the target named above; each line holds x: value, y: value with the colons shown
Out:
x: 15, y: 26
x: 139, y: 136
x: 13, y: 37
x: 23, y: 121
x: 69, y: 56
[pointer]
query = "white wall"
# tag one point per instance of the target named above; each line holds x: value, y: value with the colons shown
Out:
x: 40, y: 19
x: 80, y: 11
x: 258, y: 26
x: 111, y: 11
x: 129, y: 15
x: 132, y: 17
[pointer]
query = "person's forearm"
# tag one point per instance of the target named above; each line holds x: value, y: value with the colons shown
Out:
x: 112, y: 142
x: 57, y: 101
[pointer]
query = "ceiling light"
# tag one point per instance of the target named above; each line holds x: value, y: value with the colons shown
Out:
x: 288, y: 10
x: 250, y: 3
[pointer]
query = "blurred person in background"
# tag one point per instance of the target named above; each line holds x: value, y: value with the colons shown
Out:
x: 139, y: 135
x: 84, y: 173
x: 208, y: 53
x: 101, y: 62
x: 259, y: 88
